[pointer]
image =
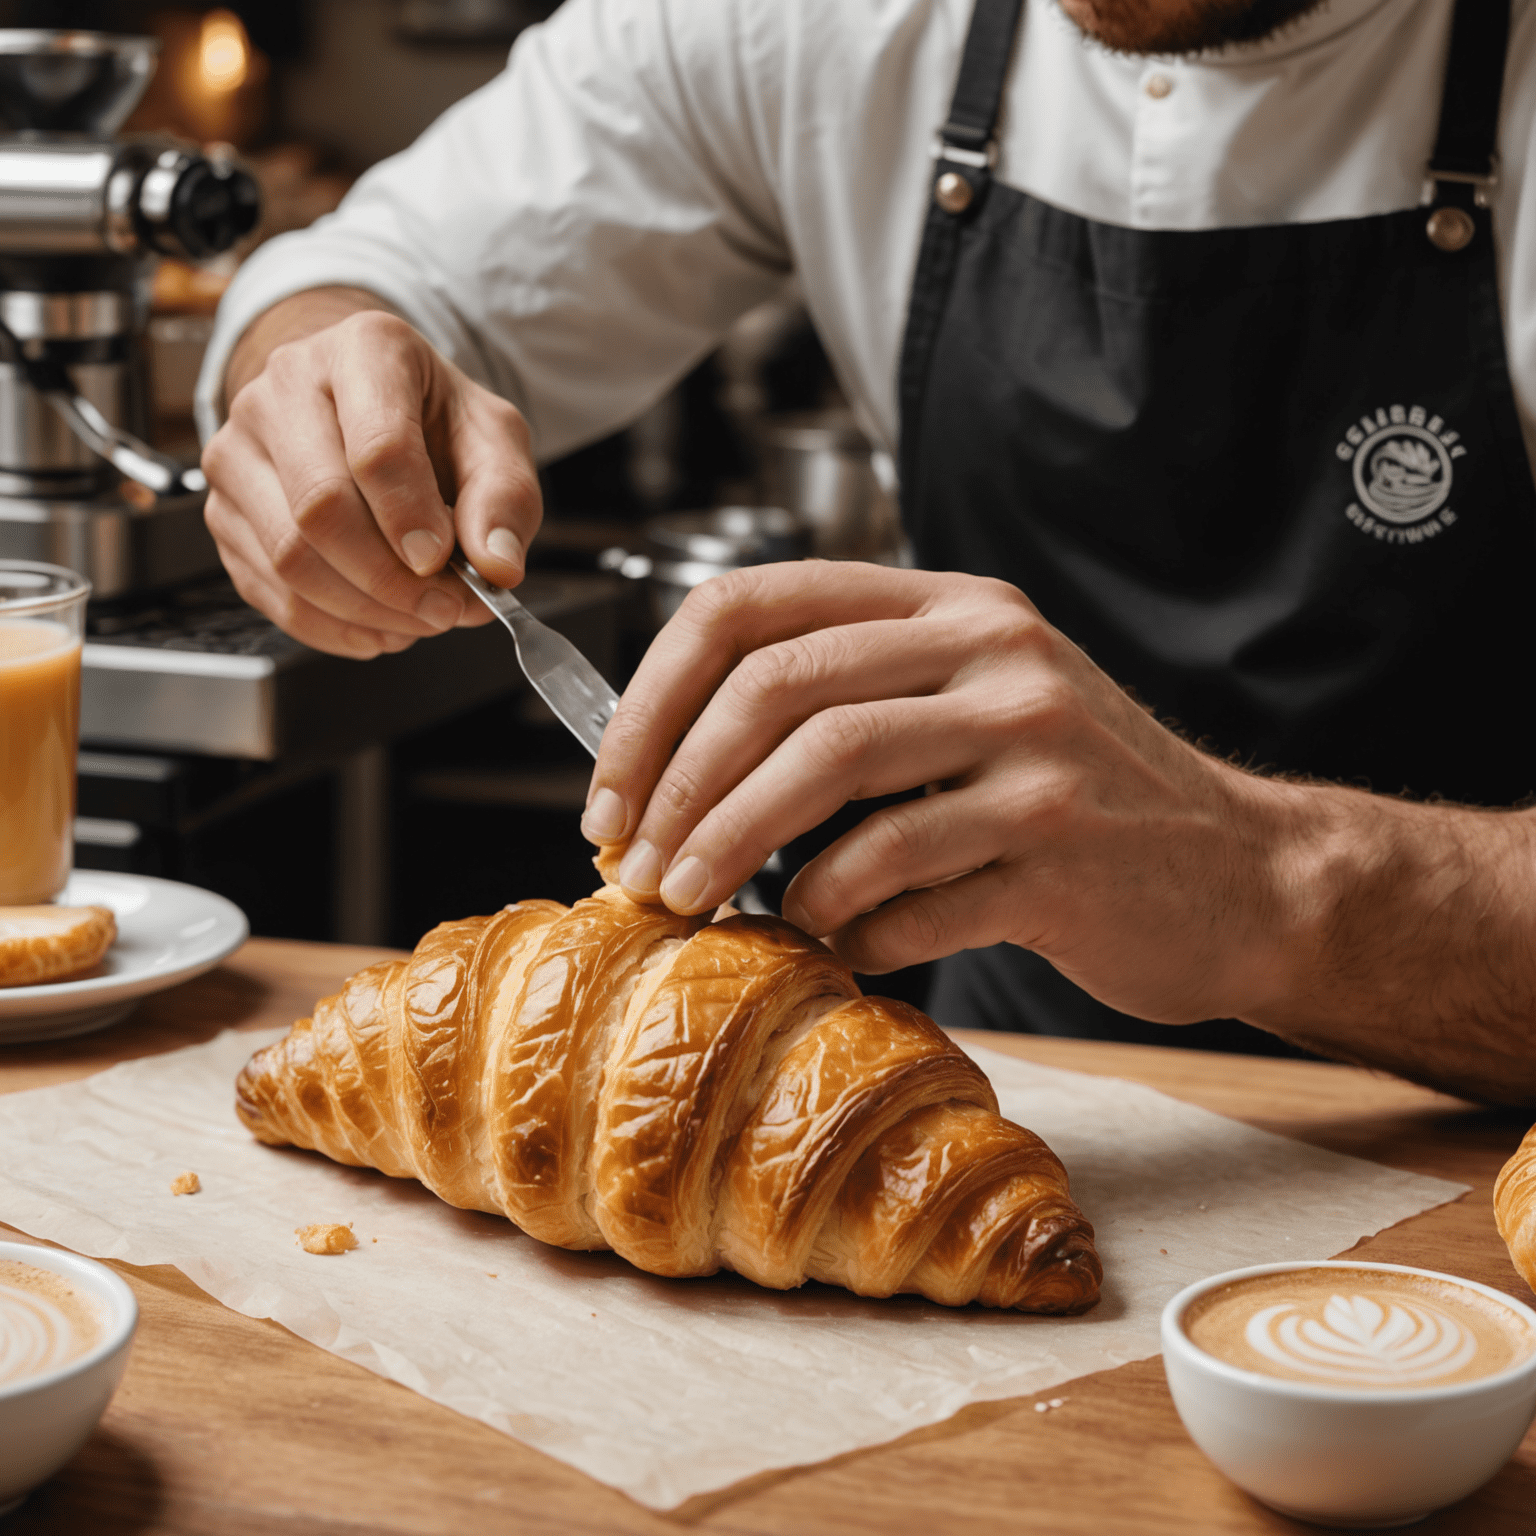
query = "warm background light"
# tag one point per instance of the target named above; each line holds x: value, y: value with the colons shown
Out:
x: 211, y: 83
x: 224, y: 52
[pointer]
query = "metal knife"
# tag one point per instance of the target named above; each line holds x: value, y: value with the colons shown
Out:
x: 560, y: 674
x: 570, y: 685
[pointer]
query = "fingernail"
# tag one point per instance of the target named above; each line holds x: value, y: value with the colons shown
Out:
x: 363, y: 641
x: 439, y: 610
x: 603, y: 821
x: 683, y: 889
x: 420, y: 547
x: 641, y: 869
x: 505, y: 545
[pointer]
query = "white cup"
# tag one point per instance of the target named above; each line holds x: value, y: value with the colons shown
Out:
x: 1340, y: 1455
x: 46, y: 1418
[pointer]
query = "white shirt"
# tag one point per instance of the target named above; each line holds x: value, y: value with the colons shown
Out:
x: 578, y: 233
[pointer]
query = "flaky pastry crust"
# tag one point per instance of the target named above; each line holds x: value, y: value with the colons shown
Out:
x: 691, y: 1095
x: 1514, y: 1207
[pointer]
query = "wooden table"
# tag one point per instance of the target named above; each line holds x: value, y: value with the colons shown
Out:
x: 229, y: 1425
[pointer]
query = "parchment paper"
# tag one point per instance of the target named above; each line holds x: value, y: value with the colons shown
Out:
x: 662, y: 1388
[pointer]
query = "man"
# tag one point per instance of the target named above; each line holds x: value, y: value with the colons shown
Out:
x: 1201, y: 352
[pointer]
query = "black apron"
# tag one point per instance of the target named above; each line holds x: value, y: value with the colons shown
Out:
x: 1270, y: 478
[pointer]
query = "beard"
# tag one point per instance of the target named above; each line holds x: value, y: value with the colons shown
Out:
x: 1181, y: 26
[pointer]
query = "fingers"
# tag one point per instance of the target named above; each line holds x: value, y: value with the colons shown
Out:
x: 759, y: 707
x: 339, y: 461
x: 265, y: 534
x: 255, y: 582
x: 968, y: 913
x: 288, y: 420
x: 851, y: 752
x: 499, y: 506
x: 721, y: 622
x: 901, y: 848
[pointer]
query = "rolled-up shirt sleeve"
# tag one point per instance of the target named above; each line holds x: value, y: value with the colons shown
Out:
x: 576, y: 234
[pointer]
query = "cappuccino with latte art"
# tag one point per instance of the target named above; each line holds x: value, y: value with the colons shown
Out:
x: 45, y: 1322
x: 1366, y: 1329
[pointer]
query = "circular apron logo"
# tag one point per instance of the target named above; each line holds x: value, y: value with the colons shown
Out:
x: 1403, y: 462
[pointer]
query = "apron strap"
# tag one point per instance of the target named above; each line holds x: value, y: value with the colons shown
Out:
x: 1474, y: 82
x: 983, y: 74
x: 965, y: 149
x: 1465, y: 164
x: 964, y: 152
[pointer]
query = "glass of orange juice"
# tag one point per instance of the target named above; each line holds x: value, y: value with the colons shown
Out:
x: 42, y: 623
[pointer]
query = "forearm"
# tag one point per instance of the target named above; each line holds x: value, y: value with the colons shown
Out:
x: 1407, y: 937
x: 291, y: 319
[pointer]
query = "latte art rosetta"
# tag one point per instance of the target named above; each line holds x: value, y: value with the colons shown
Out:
x: 1348, y: 1328
x: 35, y: 1334
x: 1360, y: 1342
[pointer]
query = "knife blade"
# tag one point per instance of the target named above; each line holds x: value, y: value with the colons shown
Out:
x: 572, y: 687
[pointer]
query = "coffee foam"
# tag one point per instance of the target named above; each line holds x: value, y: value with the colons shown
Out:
x: 1361, y: 1328
x: 45, y: 1322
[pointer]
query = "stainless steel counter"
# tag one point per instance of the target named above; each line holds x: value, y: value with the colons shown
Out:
x: 241, y: 688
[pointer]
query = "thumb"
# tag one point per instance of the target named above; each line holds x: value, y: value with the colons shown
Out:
x: 929, y: 923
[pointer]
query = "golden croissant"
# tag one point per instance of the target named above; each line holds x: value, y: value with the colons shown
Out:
x: 1514, y: 1207
x: 692, y: 1095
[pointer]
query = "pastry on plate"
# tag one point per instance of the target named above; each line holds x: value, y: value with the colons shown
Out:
x: 42, y: 944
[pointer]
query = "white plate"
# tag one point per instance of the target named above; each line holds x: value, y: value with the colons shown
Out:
x: 166, y: 933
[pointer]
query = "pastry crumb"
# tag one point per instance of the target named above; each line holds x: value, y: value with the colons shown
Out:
x: 186, y: 1183
x: 325, y: 1237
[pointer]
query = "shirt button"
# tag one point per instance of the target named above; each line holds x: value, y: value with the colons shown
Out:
x: 1158, y: 86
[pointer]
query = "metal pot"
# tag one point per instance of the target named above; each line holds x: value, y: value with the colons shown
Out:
x: 684, y: 549
x: 819, y: 466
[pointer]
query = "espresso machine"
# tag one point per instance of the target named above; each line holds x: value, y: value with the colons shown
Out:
x: 84, y: 217
x: 214, y: 748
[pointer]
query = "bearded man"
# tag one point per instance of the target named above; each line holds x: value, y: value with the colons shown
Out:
x: 1202, y: 334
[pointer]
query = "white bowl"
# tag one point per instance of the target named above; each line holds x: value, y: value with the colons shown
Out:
x: 1344, y: 1456
x: 45, y: 1419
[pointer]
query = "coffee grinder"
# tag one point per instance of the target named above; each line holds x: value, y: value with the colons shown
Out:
x: 84, y: 217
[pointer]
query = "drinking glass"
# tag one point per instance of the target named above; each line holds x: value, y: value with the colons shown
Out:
x: 42, y: 623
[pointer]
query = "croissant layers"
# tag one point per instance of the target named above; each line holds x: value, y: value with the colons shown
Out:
x: 692, y: 1095
x: 1514, y: 1207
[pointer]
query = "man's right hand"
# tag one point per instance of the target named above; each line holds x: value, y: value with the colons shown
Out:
x: 353, y: 457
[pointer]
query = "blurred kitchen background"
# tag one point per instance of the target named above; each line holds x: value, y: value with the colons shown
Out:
x: 367, y: 801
